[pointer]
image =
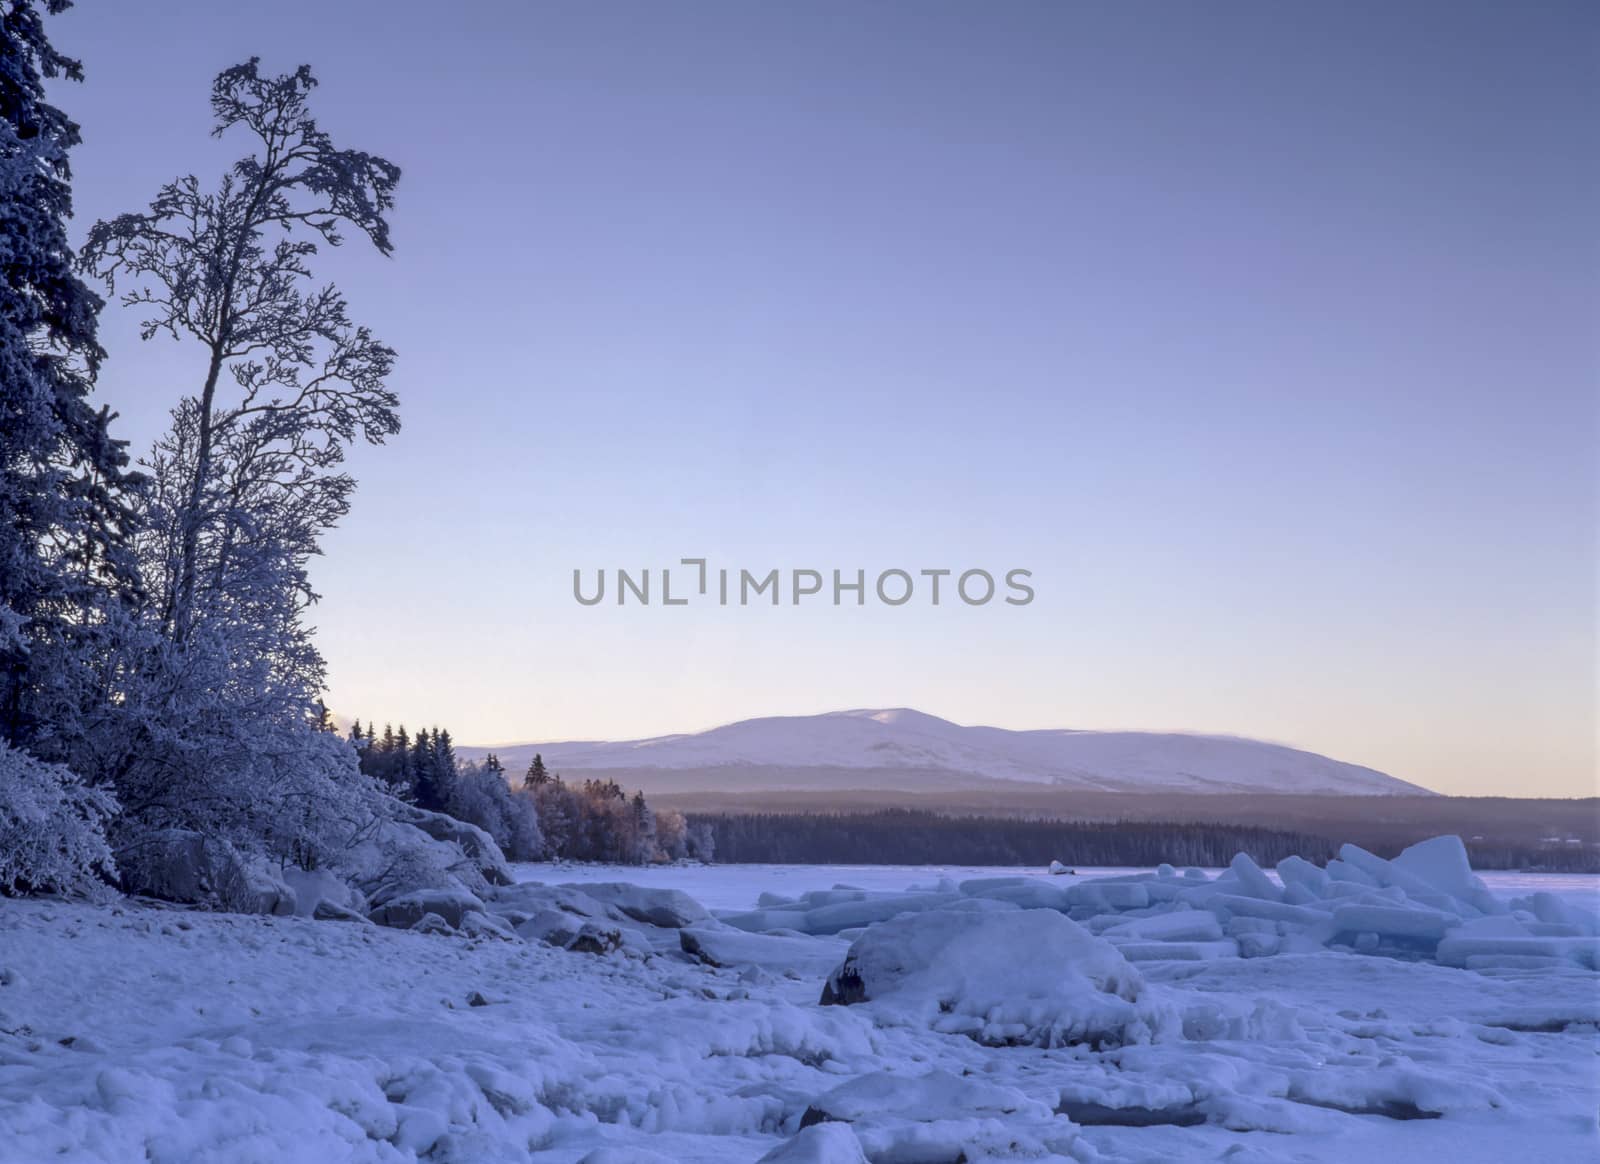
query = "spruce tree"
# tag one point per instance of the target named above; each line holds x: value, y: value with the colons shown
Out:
x: 435, y: 772
x: 63, y: 521
x: 536, y: 773
x: 421, y: 764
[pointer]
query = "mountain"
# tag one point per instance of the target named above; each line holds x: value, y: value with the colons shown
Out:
x: 901, y: 748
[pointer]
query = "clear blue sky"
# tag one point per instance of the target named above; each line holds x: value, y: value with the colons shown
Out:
x: 1263, y: 334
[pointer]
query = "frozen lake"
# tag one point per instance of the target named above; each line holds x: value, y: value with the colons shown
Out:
x: 724, y: 887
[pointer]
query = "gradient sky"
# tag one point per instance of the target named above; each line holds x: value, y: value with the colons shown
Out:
x: 1263, y: 334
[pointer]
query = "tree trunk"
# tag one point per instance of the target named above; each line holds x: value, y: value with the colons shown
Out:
x: 180, y: 614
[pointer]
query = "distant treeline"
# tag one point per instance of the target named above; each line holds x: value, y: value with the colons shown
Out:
x: 912, y: 837
x: 919, y: 837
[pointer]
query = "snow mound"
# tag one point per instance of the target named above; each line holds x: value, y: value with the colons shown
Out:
x: 1017, y: 977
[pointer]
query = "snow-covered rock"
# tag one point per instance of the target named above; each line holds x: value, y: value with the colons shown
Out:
x: 554, y: 927
x: 315, y: 889
x: 478, y: 846
x: 184, y: 866
x: 404, y: 912
x: 1024, y: 976
x: 667, y: 908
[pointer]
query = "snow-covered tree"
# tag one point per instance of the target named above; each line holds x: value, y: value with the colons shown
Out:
x: 216, y: 736
x: 481, y: 796
x: 52, y: 827
x: 558, y: 816
x: 230, y: 269
x: 216, y: 724
x: 62, y: 516
x: 671, y: 835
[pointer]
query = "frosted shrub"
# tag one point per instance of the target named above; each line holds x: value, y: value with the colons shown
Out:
x: 481, y: 797
x: 52, y: 828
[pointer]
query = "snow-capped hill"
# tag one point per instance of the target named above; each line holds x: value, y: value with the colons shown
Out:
x: 753, y: 753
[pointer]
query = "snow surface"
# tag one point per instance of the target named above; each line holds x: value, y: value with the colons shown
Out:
x: 129, y: 1032
x: 900, y: 738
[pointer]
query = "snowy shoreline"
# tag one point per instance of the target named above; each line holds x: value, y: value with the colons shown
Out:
x: 982, y: 1023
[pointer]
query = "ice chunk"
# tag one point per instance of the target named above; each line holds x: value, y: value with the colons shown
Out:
x: 1028, y: 893
x: 1474, y: 950
x: 1440, y: 862
x: 825, y: 1143
x: 1547, y: 907
x: 1253, y: 882
x: 1297, y: 871
x: 1344, y: 871
x: 1101, y: 896
x: 1231, y: 905
x: 830, y: 919
x: 1421, y: 926
x: 1185, y: 925
x: 762, y: 920
x: 717, y: 946
x: 1179, y: 951
x: 936, y: 1095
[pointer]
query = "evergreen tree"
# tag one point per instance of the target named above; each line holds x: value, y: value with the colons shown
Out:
x: 644, y: 831
x: 536, y: 773
x: 63, y: 519
x: 421, y: 766
x: 402, y: 774
x: 436, y: 783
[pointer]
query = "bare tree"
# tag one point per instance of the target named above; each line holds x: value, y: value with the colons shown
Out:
x: 231, y: 269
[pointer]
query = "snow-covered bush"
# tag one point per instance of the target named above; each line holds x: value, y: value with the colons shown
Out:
x: 52, y: 827
x: 481, y: 796
x: 182, y: 865
x: 216, y: 736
